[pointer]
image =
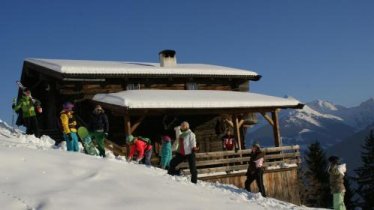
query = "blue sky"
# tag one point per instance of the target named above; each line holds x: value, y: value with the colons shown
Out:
x: 307, y: 49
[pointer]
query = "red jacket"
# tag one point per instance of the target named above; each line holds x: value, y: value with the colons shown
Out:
x: 140, y: 147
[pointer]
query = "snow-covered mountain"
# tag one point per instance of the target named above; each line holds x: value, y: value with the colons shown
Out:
x: 318, y: 120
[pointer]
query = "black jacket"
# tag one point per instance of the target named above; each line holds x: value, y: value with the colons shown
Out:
x: 252, y: 165
x: 99, y: 122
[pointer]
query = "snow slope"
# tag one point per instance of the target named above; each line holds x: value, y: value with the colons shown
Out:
x: 36, y: 175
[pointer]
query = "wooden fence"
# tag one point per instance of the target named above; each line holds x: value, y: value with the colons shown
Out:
x: 213, y: 163
x: 229, y: 167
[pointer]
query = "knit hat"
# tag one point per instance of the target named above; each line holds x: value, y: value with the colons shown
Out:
x: 26, y: 91
x: 166, y: 138
x: 333, y: 159
x: 68, y: 106
x: 130, y: 139
x: 256, y: 144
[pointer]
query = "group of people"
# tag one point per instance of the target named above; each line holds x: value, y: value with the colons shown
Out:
x: 98, y: 127
x: 27, y: 107
x: 184, y: 149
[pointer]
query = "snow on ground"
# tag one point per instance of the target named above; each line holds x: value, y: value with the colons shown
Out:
x: 35, y: 175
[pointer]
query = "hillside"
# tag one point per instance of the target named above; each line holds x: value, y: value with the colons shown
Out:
x: 36, y: 175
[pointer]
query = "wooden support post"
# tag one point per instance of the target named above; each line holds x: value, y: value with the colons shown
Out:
x: 51, y: 107
x: 127, y: 124
x: 237, y: 131
x: 267, y: 118
x: 276, y: 131
x: 241, y: 122
x: 127, y: 130
x: 136, y: 124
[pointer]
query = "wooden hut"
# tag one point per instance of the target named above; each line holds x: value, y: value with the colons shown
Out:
x: 149, y: 99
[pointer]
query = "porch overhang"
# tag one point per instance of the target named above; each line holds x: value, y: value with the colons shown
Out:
x: 193, y: 101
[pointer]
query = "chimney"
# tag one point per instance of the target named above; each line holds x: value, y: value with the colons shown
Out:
x: 167, y: 58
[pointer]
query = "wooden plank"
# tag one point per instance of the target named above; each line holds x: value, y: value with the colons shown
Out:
x: 217, y: 169
x: 285, y: 158
x: 281, y: 148
x: 206, y: 171
x: 244, y: 152
x: 282, y: 155
x: 215, y: 162
x: 221, y: 154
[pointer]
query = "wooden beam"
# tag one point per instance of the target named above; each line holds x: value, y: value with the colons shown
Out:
x: 137, y: 123
x: 229, y: 122
x: 127, y: 124
x: 276, y: 131
x: 267, y: 118
x: 241, y: 122
x: 237, y: 130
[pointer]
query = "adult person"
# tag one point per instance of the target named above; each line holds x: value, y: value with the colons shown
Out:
x: 255, y: 170
x: 337, y: 171
x: 26, y: 107
x: 186, y: 150
x: 142, y: 146
x: 69, y: 127
x: 99, y: 128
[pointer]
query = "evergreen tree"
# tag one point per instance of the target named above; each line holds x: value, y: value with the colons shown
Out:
x: 349, y: 200
x: 365, y: 173
x: 317, y: 177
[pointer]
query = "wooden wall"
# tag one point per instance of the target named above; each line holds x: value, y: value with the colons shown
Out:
x: 281, y: 184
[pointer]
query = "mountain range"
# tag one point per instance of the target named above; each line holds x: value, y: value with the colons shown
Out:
x: 337, y: 128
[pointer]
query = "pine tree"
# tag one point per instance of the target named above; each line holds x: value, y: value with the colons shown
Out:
x: 349, y: 197
x: 365, y: 173
x: 317, y: 177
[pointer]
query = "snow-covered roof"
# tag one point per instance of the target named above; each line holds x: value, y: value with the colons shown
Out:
x: 87, y: 67
x: 191, y: 99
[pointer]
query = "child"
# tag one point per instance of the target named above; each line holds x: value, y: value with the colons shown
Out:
x: 165, y: 152
x: 229, y: 142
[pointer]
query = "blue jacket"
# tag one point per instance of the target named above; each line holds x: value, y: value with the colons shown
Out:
x: 165, y: 154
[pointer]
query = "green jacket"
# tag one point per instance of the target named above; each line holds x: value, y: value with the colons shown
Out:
x: 27, y: 106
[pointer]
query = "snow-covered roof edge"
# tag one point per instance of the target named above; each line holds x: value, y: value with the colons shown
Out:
x: 193, y: 99
x: 87, y: 67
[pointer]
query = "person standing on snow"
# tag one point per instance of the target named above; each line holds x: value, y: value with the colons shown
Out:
x: 186, y: 150
x: 255, y: 170
x: 166, y: 152
x: 337, y: 171
x: 69, y: 127
x: 142, y: 146
x: 27, y: 105
x: 99, y: 127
